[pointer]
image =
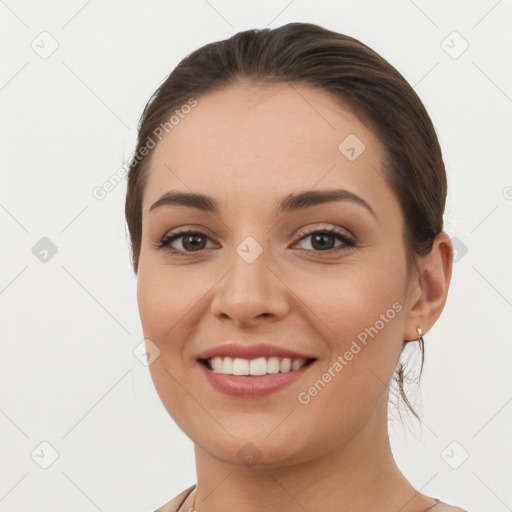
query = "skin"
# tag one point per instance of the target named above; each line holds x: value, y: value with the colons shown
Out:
x: 247, y: 146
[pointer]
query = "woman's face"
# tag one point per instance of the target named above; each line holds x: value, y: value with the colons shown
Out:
x: 256, y: 274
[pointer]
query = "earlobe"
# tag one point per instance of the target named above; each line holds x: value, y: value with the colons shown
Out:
x: 429, y: 287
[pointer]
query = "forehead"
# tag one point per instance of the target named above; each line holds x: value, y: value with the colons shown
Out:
x: 250, y: 138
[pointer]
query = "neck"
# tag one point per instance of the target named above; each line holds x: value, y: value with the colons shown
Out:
x: 359, y: 474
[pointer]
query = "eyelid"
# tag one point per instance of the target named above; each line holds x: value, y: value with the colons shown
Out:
x: 327, y: 227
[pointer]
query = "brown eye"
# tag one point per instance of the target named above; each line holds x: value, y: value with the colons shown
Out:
x: 192, y: 241
x: 324, y: 240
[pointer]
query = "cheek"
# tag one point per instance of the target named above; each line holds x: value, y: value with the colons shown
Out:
x: 166, y: 298
x: 347, y: 300
x: 359, y: 313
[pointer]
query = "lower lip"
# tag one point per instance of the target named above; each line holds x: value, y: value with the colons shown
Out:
x: 252, y: 386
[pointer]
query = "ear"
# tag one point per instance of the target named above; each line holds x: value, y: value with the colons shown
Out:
x: 428, y: 287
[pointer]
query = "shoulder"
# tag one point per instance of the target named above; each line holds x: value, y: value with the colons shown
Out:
x: 445, y: 507
x: 175, y: 503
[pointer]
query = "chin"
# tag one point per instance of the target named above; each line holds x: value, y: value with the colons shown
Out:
x: 258, y: 449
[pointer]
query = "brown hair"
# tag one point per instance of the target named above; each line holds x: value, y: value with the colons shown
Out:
x: 310, y: 55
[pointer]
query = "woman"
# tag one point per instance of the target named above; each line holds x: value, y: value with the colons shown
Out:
x: 285, y: 208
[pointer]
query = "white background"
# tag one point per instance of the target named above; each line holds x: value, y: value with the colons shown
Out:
x: 69, y: 325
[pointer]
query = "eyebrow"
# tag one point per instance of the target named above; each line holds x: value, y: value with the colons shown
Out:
x: 292, y: 202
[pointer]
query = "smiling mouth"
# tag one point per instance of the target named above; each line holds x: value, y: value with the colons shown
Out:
x: 254, y: 367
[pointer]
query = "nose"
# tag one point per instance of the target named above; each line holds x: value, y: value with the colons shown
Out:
x: 250, y: 293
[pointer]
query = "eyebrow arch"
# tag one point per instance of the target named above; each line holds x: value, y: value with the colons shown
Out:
x: 292, y: 202
x: 199, y: 201
x: 310, y: 198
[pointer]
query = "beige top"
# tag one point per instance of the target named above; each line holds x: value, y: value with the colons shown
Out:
x: 177, y: 501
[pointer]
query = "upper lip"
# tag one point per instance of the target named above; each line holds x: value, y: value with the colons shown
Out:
x: 251, y: 351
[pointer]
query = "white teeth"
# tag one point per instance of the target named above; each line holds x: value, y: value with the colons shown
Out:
x: 256, y: 366
x: 259, y: 366
x: 240, y: 366
x: 227, y: 365
x: 296, y: 364
x: 272, y: 364
x: 286, y: 365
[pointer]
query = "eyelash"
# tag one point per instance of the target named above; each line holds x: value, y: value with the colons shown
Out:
x: 349, y: 243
